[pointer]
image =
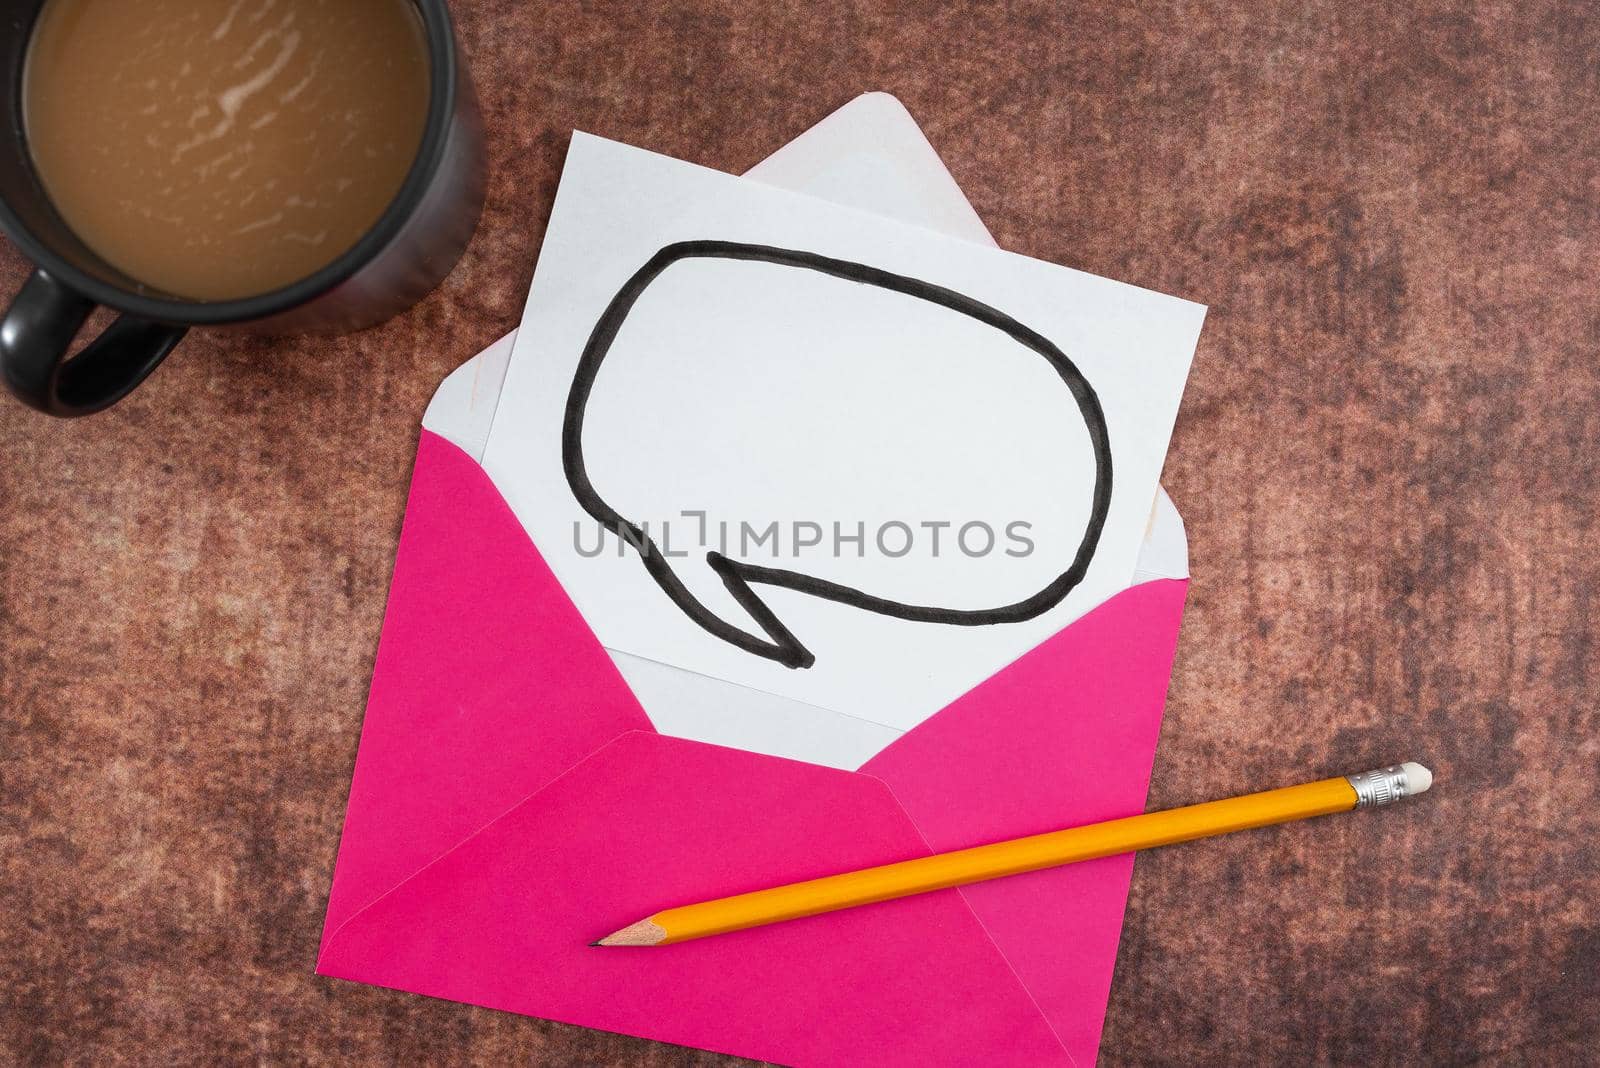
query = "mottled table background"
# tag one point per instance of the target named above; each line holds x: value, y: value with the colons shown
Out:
x: 1386, y: 460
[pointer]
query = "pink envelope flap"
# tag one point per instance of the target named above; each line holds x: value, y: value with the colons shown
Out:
x: 487, y: 685
x: 1065, y: 735
x: 504, y: 919
x: 491, y: 698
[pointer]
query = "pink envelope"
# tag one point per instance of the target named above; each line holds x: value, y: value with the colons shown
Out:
x: 512, y: 802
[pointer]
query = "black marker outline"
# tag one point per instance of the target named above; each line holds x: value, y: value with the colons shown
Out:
x: 780, y: 644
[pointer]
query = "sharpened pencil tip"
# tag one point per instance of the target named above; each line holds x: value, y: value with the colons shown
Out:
x: 643, y: 933
x: 597, y: 942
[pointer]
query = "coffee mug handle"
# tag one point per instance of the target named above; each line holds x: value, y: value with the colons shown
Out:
x: 40, y: 326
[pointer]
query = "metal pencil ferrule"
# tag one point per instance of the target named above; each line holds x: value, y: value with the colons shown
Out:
x: 1381, y: 787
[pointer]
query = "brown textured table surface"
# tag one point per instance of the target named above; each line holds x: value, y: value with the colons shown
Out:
x: 1386, y: 461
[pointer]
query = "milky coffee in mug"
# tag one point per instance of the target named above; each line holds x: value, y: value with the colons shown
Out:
x: 267, y: 166
x: 219, y: 149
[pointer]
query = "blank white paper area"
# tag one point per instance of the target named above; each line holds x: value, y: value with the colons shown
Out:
x: 752, y: 394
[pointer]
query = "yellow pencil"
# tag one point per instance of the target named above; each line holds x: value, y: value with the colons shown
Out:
x: 1038, y: 851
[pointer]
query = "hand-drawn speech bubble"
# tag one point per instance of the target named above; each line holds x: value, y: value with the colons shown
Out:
x: 740, y: 577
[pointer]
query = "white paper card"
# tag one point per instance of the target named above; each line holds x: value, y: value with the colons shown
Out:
x: 910, y: 458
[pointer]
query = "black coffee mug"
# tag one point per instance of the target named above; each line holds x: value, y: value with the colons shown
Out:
x: 406, y: 253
